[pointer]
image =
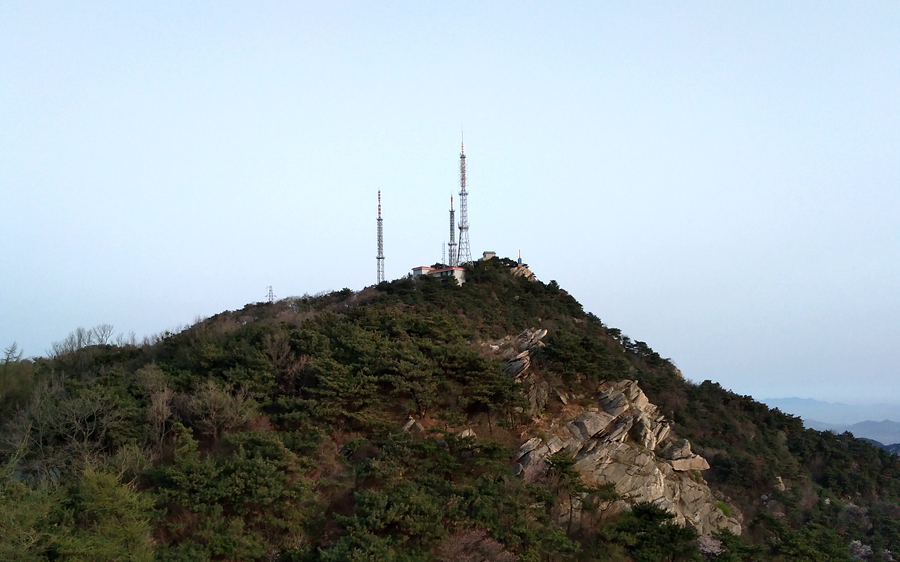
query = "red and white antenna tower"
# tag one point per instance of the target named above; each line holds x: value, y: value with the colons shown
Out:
x: 465, y: 252
x: 380, y: 257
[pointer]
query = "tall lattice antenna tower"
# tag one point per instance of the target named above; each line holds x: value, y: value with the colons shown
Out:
x: 380, y: 257
x: 270, y: 296
x: 465, y: 252
x: 452, y: 243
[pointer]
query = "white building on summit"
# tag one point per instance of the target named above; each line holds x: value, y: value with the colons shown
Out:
x: 459, y: 273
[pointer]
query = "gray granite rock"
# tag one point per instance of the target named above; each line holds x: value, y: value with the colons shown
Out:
x: 592, y: 423
x: 630, y: 445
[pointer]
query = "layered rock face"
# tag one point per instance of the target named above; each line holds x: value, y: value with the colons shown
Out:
x: 521, y: 270
x: 517, y: 350
x: 626, y: 442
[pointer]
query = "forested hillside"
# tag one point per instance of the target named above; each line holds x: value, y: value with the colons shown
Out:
x: 381, y: 425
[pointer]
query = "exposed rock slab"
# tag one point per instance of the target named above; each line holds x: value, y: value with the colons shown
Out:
x: 694, y: 462
x: 590, y: 424
x: 627, y: 443
x: 521, y: 270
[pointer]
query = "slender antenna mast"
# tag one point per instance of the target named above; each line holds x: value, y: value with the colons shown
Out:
x: 443, y: 252
x: 380, y: 257
x: 465, y: 252
x: 452, y: 243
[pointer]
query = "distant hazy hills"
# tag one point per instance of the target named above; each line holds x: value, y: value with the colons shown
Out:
x: 895, y: 448
x: 834, y: 413
x: 827, y: 416
x: 886, y: 432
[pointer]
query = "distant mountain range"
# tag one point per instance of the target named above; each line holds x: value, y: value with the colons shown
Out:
x: 895, y: 448
x: 836, y: 417
x: 834, y: 413
x: 885, y: 432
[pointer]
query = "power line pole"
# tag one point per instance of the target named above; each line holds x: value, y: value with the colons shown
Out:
x: 465, y: 252
x: 380, y: 257
x: 270, y: 296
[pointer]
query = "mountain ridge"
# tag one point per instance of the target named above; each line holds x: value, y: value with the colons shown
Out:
x: 885, y: 431
x: 382, y: 424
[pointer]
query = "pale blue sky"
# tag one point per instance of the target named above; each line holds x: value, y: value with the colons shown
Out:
x: 720, y: 180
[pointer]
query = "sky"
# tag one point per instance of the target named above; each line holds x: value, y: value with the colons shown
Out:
x: 720, y: 180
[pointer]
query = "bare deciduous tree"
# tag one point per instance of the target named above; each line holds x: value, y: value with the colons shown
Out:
x: 130, y: 340
x: 87, y: 418
x: 219, y: 410
x: 60, y: 429
x: 473, y: 545
x: 150, y: 378
x: 277, y: 349
x: 286, y: 362
x: 159, y: 413
x: 101, y: 333
x: 78, y: 339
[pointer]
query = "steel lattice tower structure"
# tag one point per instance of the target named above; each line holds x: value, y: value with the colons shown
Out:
x: 452, y: 243
x: 380, y: 257
x: 465, y: 252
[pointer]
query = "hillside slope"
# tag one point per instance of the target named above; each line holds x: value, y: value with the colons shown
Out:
x: 385, y: 425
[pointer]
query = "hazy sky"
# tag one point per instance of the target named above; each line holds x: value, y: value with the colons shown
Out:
x: 718, y: 179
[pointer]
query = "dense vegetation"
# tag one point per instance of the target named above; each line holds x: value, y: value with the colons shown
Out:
x: 328, y: 428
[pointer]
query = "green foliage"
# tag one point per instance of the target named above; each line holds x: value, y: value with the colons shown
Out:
x: 649, y: 535
x: 848, y: 467
x: 105, y: 520
x: 24, y: 521
x: 97, y: 518
x: 17, y: 379
x: 273, y: 432
x: 414, y: 491
x: 573, y: 355
x: 723, y: 507
x: 737, y: 549
x: 235, y: 502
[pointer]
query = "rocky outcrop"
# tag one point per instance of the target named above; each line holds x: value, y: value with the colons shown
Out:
x: 626, y: 442
x: 517, y: 350
x: 680, y: 456
x: 517, y: 364
x: 412, y: 426
x: 521, y: 270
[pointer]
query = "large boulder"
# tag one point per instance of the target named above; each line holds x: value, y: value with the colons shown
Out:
x: 613, y: 401
x: 694, y: 462
x: 677, y: 449
x: 590, y: 424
